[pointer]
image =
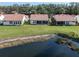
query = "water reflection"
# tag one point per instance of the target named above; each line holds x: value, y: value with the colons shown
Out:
x: 48, y: 48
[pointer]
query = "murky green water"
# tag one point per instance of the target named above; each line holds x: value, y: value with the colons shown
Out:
x: 48, y: 48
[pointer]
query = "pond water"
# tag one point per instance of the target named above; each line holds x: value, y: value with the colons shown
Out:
x: 38, y: 49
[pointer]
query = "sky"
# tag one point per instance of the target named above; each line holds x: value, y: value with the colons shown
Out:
x: 11, y: 3
x: 39, y: 0
x: 31, y: 3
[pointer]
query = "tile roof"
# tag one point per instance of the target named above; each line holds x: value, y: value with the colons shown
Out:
x: 13, y: 17
x: 64, y: 17
x: 39, y: 17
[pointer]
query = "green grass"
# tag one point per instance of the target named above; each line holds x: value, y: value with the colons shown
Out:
x: 26, y: 30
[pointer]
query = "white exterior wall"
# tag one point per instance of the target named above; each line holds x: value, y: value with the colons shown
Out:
x: 1, y: 19
x: 24, y: 19
x: 70, y: 23
x: 77, y: 18
x: 13, y: 23
x: 33, y: 22
x: 6, y: 23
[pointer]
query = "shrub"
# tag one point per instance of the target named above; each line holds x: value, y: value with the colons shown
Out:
x: 73, y: 35
x: 26, y: 22
x: 61, y: 41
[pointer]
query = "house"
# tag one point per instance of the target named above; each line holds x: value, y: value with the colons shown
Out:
x: 38, y: 19
x: 63, y: 19
x: 13, y: 19
x: 1, y: 19
x: 77, y: 19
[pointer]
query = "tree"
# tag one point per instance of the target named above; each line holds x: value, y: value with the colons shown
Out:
x: 69, y: 8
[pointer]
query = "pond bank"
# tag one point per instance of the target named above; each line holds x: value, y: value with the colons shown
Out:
x: 37, y: 38
x: 68, y: 42
x: 22, y: 40
x: 45, y: 45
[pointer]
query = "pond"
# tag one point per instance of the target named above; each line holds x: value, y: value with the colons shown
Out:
x: 38, y: 49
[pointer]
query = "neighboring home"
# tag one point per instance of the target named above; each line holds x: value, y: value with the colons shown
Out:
x: 14, y: 19
x: 63, y: 19
x: 38, y: 19
x: 19, y: 19
x: 1, y: 19
x: 77, y: 19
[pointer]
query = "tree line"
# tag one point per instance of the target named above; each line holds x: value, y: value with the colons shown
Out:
x: 69, y: 8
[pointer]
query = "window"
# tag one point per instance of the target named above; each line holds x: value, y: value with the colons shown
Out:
x: 60, y: 23
x: 15, y: 22
x: 38, y: 22
x: 34, y: 22
x: 10, y: 22
x: 45, y: 22
x: 19, y: 22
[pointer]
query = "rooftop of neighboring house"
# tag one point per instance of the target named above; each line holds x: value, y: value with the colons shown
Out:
x: 14, y: 17
x: 39, y: 17
x: 64, y: 17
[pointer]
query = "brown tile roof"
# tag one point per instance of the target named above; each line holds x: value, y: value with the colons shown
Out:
x: 14, y: 17
x: 64, y: 17
x: 0, y: 14
x: 39, y: 17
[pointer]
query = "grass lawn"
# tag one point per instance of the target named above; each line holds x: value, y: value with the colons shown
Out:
x: 26, y: 30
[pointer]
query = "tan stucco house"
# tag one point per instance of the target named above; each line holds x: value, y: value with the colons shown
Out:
x: 64, y: 19
x: 13, y: 19
x: 38, y: 19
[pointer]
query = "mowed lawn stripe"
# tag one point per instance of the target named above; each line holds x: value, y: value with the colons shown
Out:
x: 26, y: 30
